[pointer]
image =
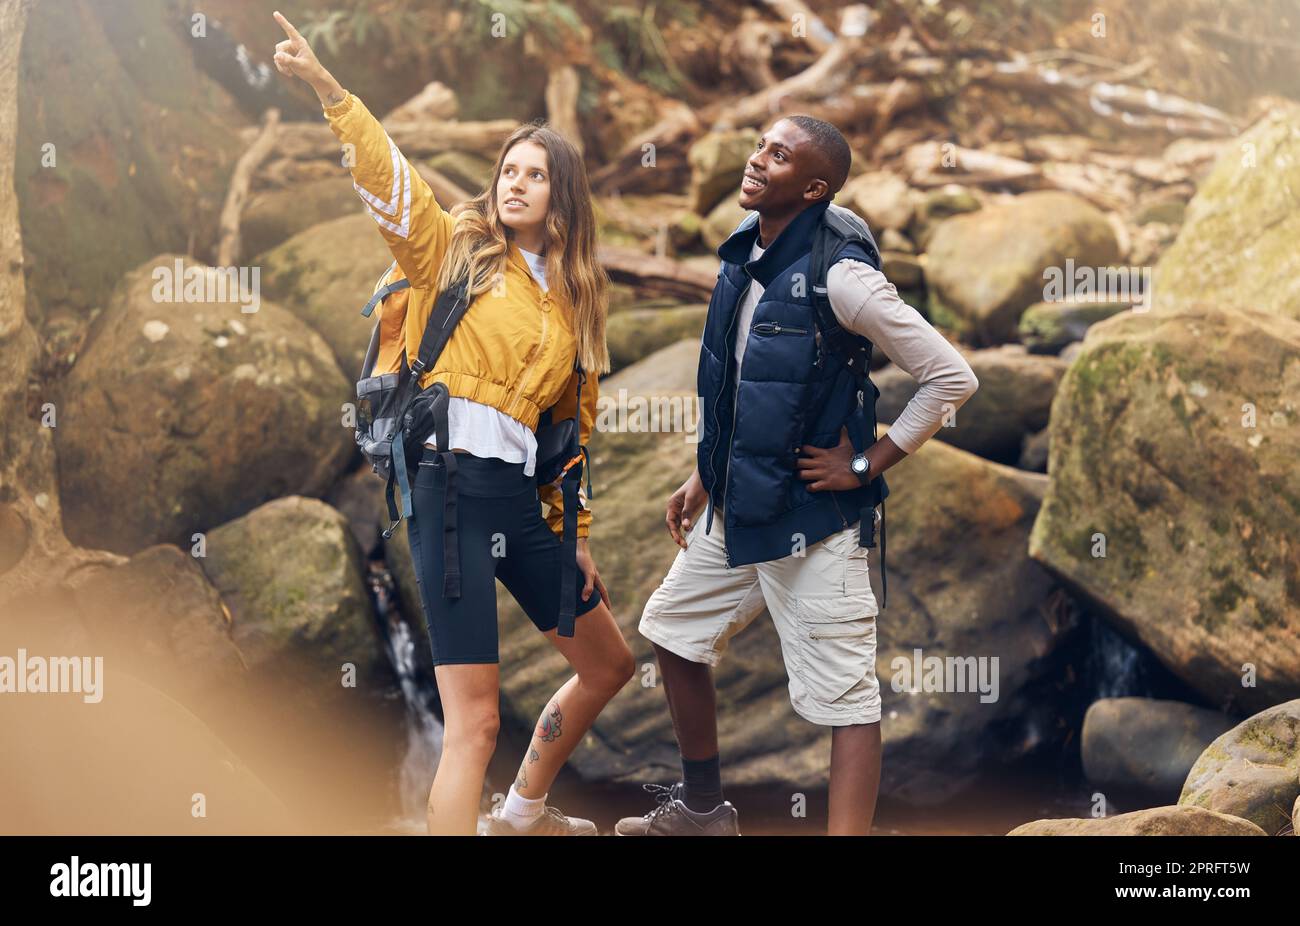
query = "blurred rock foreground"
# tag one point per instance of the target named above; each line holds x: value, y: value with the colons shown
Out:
x: 179, y: 489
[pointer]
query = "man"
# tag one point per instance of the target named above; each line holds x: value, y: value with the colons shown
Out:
x: 784, y: 499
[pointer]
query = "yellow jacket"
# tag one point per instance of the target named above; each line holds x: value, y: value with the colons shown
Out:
x: 515, y: 347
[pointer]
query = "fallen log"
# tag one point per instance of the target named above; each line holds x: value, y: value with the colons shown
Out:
x: 310, y: 141
x: 659, y: 275
x: 237, y: 195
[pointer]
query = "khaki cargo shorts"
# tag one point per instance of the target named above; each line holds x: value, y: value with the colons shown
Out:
x: 821, y: 603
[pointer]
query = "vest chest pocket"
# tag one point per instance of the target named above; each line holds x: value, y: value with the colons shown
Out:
x: 776, y: 328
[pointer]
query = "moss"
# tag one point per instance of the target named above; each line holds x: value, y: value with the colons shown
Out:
x: 1226, y: 596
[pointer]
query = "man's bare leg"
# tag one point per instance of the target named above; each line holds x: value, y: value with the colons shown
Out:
x: 855, y: 779
x: 692, y: 702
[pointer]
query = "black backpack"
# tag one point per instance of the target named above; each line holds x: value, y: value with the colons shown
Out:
x: 394, y: 417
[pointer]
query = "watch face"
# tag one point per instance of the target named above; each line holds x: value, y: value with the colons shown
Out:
x: 859, y: 464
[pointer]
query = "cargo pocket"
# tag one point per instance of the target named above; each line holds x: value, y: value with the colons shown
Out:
x: 836, y: 645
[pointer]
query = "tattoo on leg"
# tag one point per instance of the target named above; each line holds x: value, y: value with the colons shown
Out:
x: 522, y: 781
x: 548, y: 729
x: 533, y: 755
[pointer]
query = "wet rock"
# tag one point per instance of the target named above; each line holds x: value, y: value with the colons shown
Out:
x: 1146, y: 744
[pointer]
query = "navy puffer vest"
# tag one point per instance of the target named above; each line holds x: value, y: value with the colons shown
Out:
x: 791, y: 393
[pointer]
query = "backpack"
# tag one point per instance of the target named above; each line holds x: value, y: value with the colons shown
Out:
x: 386, y: 429
x: 838, y: 227
x: 393, y: 419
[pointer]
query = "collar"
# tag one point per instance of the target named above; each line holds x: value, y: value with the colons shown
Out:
x: 793, y: 242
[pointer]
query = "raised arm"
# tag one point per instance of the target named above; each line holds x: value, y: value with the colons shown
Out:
x: 410, y: 218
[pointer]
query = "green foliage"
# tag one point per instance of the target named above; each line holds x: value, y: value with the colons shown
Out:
x: 635, y: 45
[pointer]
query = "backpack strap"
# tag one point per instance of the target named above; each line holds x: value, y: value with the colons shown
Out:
x: 383, y: 293
x: 838, y: 228
x: 450, y: 307
x: 569, y: 486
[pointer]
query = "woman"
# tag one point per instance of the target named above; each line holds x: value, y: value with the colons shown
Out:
x: 539, y: 301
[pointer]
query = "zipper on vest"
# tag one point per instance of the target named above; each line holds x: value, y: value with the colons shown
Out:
x: 774, y: 328
x: 726, y: 549
x: 843, y: 520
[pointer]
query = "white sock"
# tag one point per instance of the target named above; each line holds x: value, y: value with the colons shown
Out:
x: 520, y: 811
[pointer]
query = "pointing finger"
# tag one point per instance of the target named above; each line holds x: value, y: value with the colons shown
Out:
x: 287, y: 26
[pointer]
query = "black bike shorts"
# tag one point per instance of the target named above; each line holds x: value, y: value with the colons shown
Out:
x: 502, y: 535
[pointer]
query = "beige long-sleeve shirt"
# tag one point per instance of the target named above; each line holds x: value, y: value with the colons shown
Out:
x: 866, y: 303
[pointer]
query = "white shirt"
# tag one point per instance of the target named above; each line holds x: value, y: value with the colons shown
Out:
x: 483, y: 430
x: 866, y: 303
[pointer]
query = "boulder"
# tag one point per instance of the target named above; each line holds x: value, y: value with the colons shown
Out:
x: 1034, y: 451
x: 1258, y: 793
x: 1046, y: 327
x: 1252, y: 770
x: 292, y: 575
x: 988, y: 266
x: 936, y: 205
x: 1154, y: 821
x: 672, y: 373
x: 1012, y: 402
x: 903, y: 270
x: 324, y: 275
x: 470, y: 171
x: 637, y: 333
x: 160, y: 610
x: 717, y: 162
x: 722, y: 220
x: 141, y: 155
x: 882, y: 198
x: 1145, y: 744
x: 1174, y: 495
x: 1237, y: 244
x: 274, y: 216
x: 181, y: 415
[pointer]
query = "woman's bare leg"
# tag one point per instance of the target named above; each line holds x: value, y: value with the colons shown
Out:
x: 470, y: 695
x: 604, y: 664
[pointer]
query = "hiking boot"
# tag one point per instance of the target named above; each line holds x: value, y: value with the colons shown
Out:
x: 549, y: 823
x: 671, y: 817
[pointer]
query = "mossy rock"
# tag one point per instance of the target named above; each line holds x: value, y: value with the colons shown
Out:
x: 1252, y: 770
x: 143, y: 145
x: 274, y: 216
x: 1238, y: 240
x: 291, y: 572
x: 324, y: 276
x: 1153, y: 821
x: 717, y: 161
x: 637, y: 333
x: 1046, y: 327
x: 988, y: 266
x: 1173, y: 441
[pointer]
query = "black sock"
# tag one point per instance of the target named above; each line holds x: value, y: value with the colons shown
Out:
x: 703, y: 778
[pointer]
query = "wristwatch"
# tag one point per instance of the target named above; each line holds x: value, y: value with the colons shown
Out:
x: 860, y: 466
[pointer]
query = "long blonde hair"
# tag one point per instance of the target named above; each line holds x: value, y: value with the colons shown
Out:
x: 479, y: 242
